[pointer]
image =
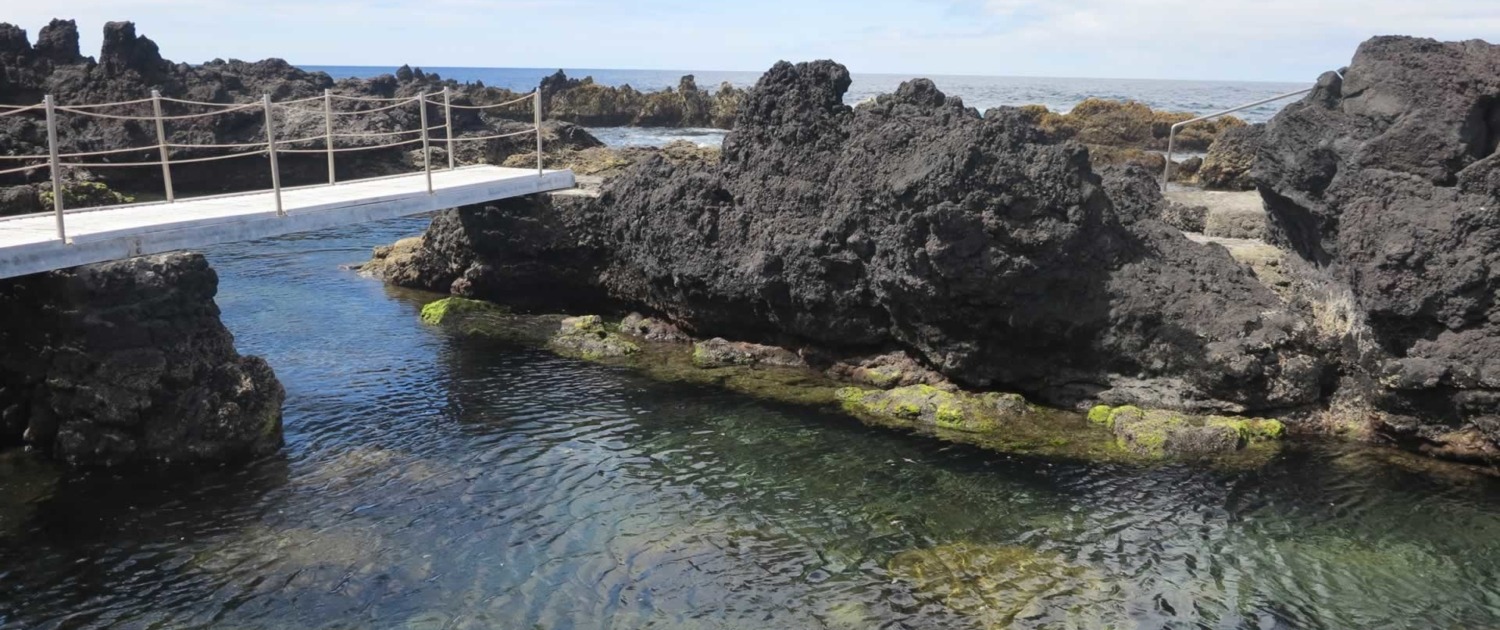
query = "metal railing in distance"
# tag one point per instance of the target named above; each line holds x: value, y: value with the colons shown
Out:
x: 1166, y: 175
x: 272, y: 147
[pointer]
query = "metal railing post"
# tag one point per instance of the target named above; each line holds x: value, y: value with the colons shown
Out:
x: 57, y: 189
x: 1166, y: 176
x: 448, y: 122
x: 537, y: 110
x: 328, y: 132
x: 265, y: 100
x: 426, y: 146
x: 161, y: 143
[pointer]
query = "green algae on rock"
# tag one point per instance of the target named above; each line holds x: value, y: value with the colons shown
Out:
x: 925, y: 404
x: 588, y: 338
x: 720, y: 352
x: 438, y: 313
x: 1159, y: 433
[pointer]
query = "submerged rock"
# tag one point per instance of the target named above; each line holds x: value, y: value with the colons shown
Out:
x: 127, y: 362
x: 447, y: 310
x: 1390, y: 178
x: 1000, y: 584
x: 587, y: 337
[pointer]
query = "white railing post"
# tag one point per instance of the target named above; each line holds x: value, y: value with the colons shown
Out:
x: 1166, y: 175
x: 426, y: 146
x: 328, y: 131
x: 57, y: 189
x: 265, y: 101
x: 448, y: 122
x: 161, y: 143
x: 537, y: 107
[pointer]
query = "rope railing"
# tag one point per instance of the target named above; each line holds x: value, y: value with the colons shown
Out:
x: 56, y: 160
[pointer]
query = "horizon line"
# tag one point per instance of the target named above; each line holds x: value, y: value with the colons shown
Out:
x: 852, y: 73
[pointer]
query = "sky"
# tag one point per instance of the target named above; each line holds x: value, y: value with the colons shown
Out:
x: 1246, y: 40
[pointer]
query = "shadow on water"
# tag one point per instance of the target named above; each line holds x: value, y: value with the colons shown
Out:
x: 435, y: 482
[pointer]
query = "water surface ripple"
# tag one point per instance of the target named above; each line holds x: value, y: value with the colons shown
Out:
x: 435, y: 482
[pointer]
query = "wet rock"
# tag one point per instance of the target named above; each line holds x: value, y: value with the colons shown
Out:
x: 652, y: 329
x: 127, y: 362
x: 588, y: 338
x: 448, y: 311
x: 1390, y: 178
x: 1227, y: 165
x: 1001, y: 585
x: 718, y: 352
x: 1160, y: 433
x: 885, y: 371
x: 925, y: 405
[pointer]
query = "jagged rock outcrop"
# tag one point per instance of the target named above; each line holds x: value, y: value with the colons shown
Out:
x: 910, y: 223
x: 127, y: 362
x: 585, y: 102
x: 1390, y: 178
x: 1227, y: 165
x: 130, y: 66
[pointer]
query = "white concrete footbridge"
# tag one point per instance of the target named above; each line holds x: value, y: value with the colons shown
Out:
x: 69, y: 237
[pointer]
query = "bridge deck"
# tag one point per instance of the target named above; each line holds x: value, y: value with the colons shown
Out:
x: 29, y: 244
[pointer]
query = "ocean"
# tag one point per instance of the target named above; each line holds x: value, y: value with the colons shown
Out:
x: 983, y: 92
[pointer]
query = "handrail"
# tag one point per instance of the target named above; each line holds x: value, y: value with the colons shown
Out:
x: 1166, y: 175
x: 271, y: 147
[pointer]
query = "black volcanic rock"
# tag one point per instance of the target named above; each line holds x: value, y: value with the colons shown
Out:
x: 58, y: 42
x: 1230, y: 158
x: 1390, y: 177
x: 910, y: 223
x: 127, y: 362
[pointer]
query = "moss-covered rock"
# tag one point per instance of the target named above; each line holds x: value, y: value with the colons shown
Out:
x: 917, y: 405
x: 446, y: 310
x: 718, y: 352
x: 77, y: 194
x: 588, y: 338
x: 1158, y: 433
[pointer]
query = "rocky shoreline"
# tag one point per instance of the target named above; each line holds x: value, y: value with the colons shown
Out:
x: 989, y: 250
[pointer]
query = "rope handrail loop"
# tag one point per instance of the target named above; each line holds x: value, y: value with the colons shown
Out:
x: 376, y: 134
x: 379, y: 99
x: 184, y: 101
x: 109, y: 164
x: 294, y: 101
x: 104, y: 105
x: 357, y: 112
x: 347, y: 149
x: 23, y: 168
x: 525, y: 132
x: 17, y: 109
x: 244, y: 145
x: 80, y: 154
x: 23, y: 157
x: 527, y: 97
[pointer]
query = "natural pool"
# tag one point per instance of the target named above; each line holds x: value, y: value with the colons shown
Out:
x: 439, y: 482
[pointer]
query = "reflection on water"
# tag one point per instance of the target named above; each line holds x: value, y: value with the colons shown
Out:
x: 431, y: 482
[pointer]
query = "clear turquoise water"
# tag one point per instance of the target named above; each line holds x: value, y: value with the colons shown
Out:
x: 437, y: 482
